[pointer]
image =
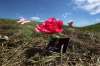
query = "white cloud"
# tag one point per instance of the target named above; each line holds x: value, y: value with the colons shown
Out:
x: 65, y: 15
x: 98, y: 20
x: 35, y: 18
x: 39, y: 19
x: 92, y: 6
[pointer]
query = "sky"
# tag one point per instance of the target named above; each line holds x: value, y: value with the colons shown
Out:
x: 82, y: 12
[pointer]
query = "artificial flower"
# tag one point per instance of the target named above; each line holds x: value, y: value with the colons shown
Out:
x: 50, y: 26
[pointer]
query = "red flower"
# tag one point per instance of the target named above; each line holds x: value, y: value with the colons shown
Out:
x: 50, y: 26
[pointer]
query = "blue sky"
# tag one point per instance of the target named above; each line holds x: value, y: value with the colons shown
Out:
x: 82, y: 12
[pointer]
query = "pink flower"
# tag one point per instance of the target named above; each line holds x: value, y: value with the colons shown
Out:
x: 50, y: 26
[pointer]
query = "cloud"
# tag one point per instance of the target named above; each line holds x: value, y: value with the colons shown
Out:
x: 65, y: 15
x: 98, y: 20
x: 35, y: 18
x: 92, y: 6
x: 38, y: 19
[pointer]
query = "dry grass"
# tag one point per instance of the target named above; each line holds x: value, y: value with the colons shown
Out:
x: 83, y: 50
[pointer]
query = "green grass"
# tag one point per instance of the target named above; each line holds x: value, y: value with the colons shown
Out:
x: 92, y: 28
x: 7, y: 21
x: 11, y: 26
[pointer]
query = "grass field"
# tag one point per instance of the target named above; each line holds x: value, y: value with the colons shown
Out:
x: 19, y: 50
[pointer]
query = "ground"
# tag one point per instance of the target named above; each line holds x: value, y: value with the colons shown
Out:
x: 26, y: 47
